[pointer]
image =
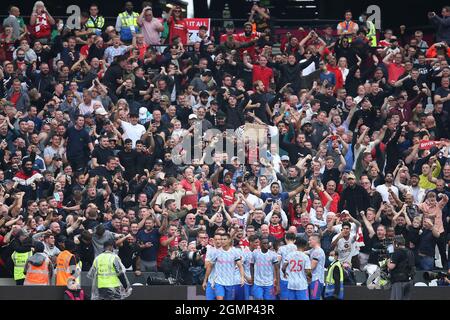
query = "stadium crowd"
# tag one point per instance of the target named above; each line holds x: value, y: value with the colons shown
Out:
x: 91, y: 118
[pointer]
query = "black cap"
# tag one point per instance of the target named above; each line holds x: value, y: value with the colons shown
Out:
x: 39, y: 247
x: 207, y: 72
x: 204, y: 93
x: 229, y: 25
x: 158, y: 161
x: 221, y: 115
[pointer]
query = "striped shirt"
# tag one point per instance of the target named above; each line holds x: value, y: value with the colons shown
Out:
x: 283, y: 251
x: 264, y: 264
x: 225, y: 263
x: 297, y: 263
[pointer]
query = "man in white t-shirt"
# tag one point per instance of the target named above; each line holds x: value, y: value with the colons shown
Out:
x: 386, y: 188
x: 132, y: 130
x: 87, y: 106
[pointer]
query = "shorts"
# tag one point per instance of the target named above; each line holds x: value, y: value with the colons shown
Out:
x: 263, y: 292
x: 227, y: 292
x: 315, y: 290
x: 298, y: 294
x: 210, y: 292
x: 284, y: 291
x: 239, y: 292
x: 248, y: 288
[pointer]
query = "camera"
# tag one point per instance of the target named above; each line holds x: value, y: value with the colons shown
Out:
x: 429, y: 276
x: 191, y: 256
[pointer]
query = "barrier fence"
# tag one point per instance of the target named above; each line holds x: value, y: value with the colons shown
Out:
x: 360, y: 278
x: 191, y: 293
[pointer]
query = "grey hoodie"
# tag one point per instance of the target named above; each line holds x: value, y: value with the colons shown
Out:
x: 37, y: 259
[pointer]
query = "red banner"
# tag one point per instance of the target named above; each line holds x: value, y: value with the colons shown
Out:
x: 427, y: 144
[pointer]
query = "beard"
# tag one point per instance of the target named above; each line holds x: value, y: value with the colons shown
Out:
x: 28, y: 171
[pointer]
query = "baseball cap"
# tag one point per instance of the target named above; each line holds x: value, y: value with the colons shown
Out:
x: 228, y: 173
x: 221, y: 115
x: 158, y: 161
x: 285, y: 158
x: 229, y: 25
x: 351, y: 175
x: 165, y: 98
x: 206, y: 73
x: 143, y: 113
x: 192, y: 116
x: 306, y: 123
x: 101, y: 111
x: 204, y: 93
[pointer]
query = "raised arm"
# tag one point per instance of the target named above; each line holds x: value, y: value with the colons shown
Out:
x: 253, y: 190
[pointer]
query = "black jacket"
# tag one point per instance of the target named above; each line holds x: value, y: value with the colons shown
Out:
x: 354, y: 199
x: 112, y: 74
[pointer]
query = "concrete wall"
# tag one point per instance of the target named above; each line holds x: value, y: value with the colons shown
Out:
x: 196, y: 293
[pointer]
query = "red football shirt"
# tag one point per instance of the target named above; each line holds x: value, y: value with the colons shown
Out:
x: 163, y: 250
x: 193, y: 199
x: 241, y: 37
x: 178, y: 28
x: 262, y: 73
x: 394, y: 72
x: 223, y: 37
x: 277, y: 231
x: 227, y: 195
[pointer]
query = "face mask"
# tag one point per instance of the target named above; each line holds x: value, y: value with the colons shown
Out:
x: 331, y: 259
x: 20, y: 58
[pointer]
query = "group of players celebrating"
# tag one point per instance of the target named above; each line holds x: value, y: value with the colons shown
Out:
x: 292, y: 273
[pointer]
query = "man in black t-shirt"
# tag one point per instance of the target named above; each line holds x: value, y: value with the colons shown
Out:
x: 101, y: 152
x: 402, y: 270
x: 78, y: 144
x: 442, y: 94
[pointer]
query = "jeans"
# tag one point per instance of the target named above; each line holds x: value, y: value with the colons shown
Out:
x: 426, y: 263
x: 148, y: 266
x: 442, y: 243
